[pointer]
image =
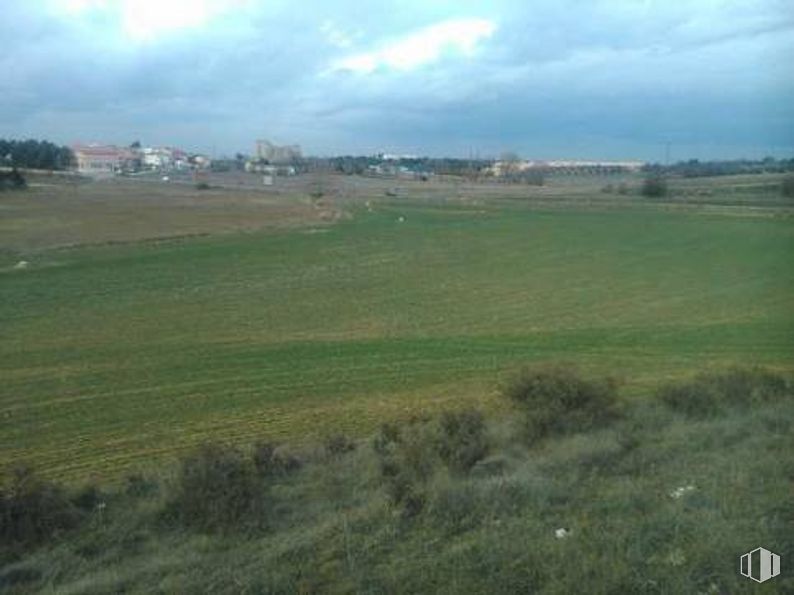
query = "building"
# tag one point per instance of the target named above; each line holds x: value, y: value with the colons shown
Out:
x: 271, y: 170
x: 507, y: 168
x: 101, y: 159
x: 158, y: 158
x: 273, y: 154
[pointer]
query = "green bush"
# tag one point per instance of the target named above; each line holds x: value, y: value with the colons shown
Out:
x: 555, y: 399
x: 218, y: 489
x: 712, y: 392
x: 33, y: 510
x: 462, y: 439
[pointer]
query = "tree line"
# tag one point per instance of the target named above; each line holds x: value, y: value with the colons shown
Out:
x: 695, y: 168
x: 35, y: 154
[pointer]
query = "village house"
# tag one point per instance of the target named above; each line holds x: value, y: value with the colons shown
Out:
x: 101, y: 159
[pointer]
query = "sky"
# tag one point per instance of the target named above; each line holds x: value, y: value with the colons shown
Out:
x: 546, y: 79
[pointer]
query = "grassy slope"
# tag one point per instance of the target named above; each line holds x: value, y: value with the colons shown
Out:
x: 111, y: 356
x: 493, y: 531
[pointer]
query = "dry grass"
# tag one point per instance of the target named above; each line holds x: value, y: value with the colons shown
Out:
x: 61, y: 212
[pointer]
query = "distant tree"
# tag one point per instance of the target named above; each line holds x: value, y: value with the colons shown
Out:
x: 135, y: 144
x: 35, y: 154
x: 510, y: 164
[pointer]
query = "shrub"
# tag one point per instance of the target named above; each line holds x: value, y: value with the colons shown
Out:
x: 217, y: 489
x: 139, y: 486
x: 462, y: 440
x: 557, y: 400
x: 407, y: 460
x: 709, y: 393
x: 455, y: 507
x: 654, y: 187
x: 787, y: 187
x: 88, y: 498
x: 12, y: 180
x: 270, y: 460
x: 203, y: 186
x: 33, y: 509
x: 338, y: 444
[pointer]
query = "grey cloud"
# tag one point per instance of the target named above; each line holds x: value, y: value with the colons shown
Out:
x: 591, y: 76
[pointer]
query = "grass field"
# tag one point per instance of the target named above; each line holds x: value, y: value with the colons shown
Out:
x: 115, y: 356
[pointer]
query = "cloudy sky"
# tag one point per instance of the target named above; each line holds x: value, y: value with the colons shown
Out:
x: 546, y: 79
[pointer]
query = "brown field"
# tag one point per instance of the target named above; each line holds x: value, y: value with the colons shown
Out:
x: 61, y: 211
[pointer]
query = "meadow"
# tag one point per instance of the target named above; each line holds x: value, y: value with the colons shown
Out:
x: 119, y: 352
x: 239, y: 390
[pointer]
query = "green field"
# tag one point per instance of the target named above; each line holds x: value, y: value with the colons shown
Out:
x: 115, y: 356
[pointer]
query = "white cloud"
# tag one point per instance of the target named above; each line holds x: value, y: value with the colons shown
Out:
x: 421, y: 47
x: 143, y: 20
x: 336, y: 36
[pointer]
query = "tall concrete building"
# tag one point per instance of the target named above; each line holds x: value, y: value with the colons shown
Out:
x: 275, y: 154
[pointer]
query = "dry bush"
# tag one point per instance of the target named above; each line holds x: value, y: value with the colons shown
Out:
x: 787, y: 187
x: 556, y: 399
x: 338, y: 444
x: 218, y: 489
x: 272, y: 460
x: 33, y: 509
x: 407, y: 460
x: 462, y: 439
x: 712, y: 392
x: 654, y: 187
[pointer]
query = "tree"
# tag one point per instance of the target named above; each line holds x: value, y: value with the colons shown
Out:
x: 35, y: 154
x: 510, y: 164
